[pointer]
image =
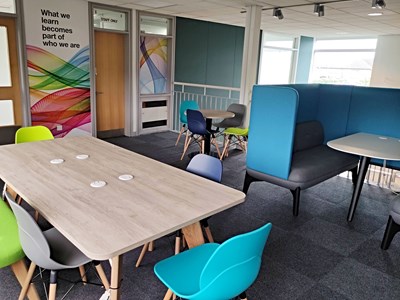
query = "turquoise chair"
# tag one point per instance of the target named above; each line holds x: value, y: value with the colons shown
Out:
x: 186, y: 104
x: 215, y: 271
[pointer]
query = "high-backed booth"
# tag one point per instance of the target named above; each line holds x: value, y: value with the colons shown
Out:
x: 291, y: 124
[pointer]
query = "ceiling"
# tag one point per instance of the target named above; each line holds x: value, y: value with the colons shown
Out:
x: 342, y: 19
x: 347, y: 18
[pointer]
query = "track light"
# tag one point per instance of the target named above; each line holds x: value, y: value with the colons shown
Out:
x: 378, y: 4
x: 319, y: 10
x: 277, y: 13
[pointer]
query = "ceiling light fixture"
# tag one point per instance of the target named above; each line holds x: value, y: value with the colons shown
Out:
x: 378, y: 4
x: 375, y: 14
x: 319, y: 10
x: 277, y: 13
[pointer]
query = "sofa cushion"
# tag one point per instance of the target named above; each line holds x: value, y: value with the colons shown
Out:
x: 308, y: 135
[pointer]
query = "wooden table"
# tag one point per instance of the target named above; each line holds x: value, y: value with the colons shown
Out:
x: 212, y: 114
x: 106, y: 222
x: 367, y: 146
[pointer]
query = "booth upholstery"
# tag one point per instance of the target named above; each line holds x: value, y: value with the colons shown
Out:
x: 283, y: 116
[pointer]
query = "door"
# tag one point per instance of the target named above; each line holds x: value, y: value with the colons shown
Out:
x: 9, y: 78
x: 110, y: 83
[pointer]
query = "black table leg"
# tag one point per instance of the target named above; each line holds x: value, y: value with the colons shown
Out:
x: 207, y: 138
x: 358, y: 186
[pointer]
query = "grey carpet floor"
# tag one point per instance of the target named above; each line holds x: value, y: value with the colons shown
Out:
x: 317, y: 255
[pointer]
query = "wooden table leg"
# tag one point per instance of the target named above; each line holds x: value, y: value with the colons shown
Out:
x: 116, y: 277
x: 193, y: 235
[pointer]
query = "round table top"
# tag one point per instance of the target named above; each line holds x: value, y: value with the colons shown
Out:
x: 216, y: 114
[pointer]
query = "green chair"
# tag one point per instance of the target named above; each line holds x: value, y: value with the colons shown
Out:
x: 234, y: 135
x: 214, y: 271
x: 32, y: 134
x: 11, y: 253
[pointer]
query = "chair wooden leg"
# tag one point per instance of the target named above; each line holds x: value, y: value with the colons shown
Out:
x: 180, y: 134
x: 53, y: 285
x: 27, y: 281
x: 82, y: 272
x: 227, y: 142
x: 178, y: 239
x: 36, y: 216
x: 21, y: 273
x: 142, y: 253
x: 216, y: 147
x: 204, y: 224
x: 202, y: 145
x: 186, y: 147
x: 168, y: 295
x: 151, y: 246
x: 102, y: 275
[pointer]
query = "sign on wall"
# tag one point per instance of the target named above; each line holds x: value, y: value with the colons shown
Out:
x: 58, y: 58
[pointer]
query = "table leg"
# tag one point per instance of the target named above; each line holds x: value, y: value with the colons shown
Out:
x: 358, y: 186
x: 207, y: 138
x: 116, y: 277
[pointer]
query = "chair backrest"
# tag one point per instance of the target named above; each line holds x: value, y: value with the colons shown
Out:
x: 185, y: 105
x: 206, y: 166
x: 196, y: 122
x: 240, y: 111
x: 234, y: 266
x: 7, y: 134
x: 32, y: 134
x: 32, y: 239
x: 10, y: 249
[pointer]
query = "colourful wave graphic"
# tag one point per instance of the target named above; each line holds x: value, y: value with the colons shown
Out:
x: 49, y: 72
x: 59, y: 90
x: 153, y: 65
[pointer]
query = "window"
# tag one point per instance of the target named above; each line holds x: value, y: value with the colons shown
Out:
x: 343, y: 61
x: 109, y: 19
x: 155, y: 25
x: 276, y: 60
x: 5, y: 73
x: 7, y: 6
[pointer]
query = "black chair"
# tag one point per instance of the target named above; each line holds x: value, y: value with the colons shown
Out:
x: 393, y: 225
x: 239, y: 110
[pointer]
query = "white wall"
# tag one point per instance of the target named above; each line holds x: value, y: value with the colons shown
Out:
x: 386, y: 68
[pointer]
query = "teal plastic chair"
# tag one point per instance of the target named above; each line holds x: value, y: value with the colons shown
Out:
x: 186, y: 104
x: 32, y: 134
x: 11, y: 253
x: 215, y: 271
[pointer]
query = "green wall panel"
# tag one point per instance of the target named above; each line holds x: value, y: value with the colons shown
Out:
x: 208, y: 53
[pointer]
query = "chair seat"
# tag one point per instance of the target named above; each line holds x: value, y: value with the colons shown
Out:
x: 10, y: 249
x: 237, y: 131
x: 63, y: 250
x: 181, y: 273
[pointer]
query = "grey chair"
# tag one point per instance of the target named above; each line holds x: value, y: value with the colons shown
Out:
x: 239, y: 110
x: 47, y: 249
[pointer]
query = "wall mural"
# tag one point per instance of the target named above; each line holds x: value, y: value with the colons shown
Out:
x: 58, y: 60
x: 153, y: 65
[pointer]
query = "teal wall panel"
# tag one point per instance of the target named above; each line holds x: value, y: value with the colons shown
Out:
x: 304, y: 60
x: 208, y: 53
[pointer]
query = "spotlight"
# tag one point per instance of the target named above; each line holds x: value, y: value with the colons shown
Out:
x: 378, y: 4
x: 319, y: 10
x: 277, y: 13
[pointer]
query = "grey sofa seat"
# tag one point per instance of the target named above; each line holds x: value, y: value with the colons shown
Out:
x: 312, y: 163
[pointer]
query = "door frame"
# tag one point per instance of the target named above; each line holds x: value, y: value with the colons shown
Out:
x: 22, y: 62
x: 128, y: 128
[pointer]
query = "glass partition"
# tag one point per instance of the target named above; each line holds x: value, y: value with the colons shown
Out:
x: 7, y: 6
x: 5, y: 73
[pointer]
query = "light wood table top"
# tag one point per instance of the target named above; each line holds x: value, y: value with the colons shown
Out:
x: 369, y: 145
x: 216, y: 114
x: 108, y: 221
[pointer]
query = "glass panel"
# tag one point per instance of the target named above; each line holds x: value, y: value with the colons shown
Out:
x: 5, y: 72
x: 153, y: 65
x: 342, y: 67
x: 7, y: 6
x: 108, y: 19
x: 6, y: 113
x: 155, y: 25
x: 369, y: 44
x: 275, y: 66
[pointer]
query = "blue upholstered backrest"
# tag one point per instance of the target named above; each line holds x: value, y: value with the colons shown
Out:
x: 272, y: 126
